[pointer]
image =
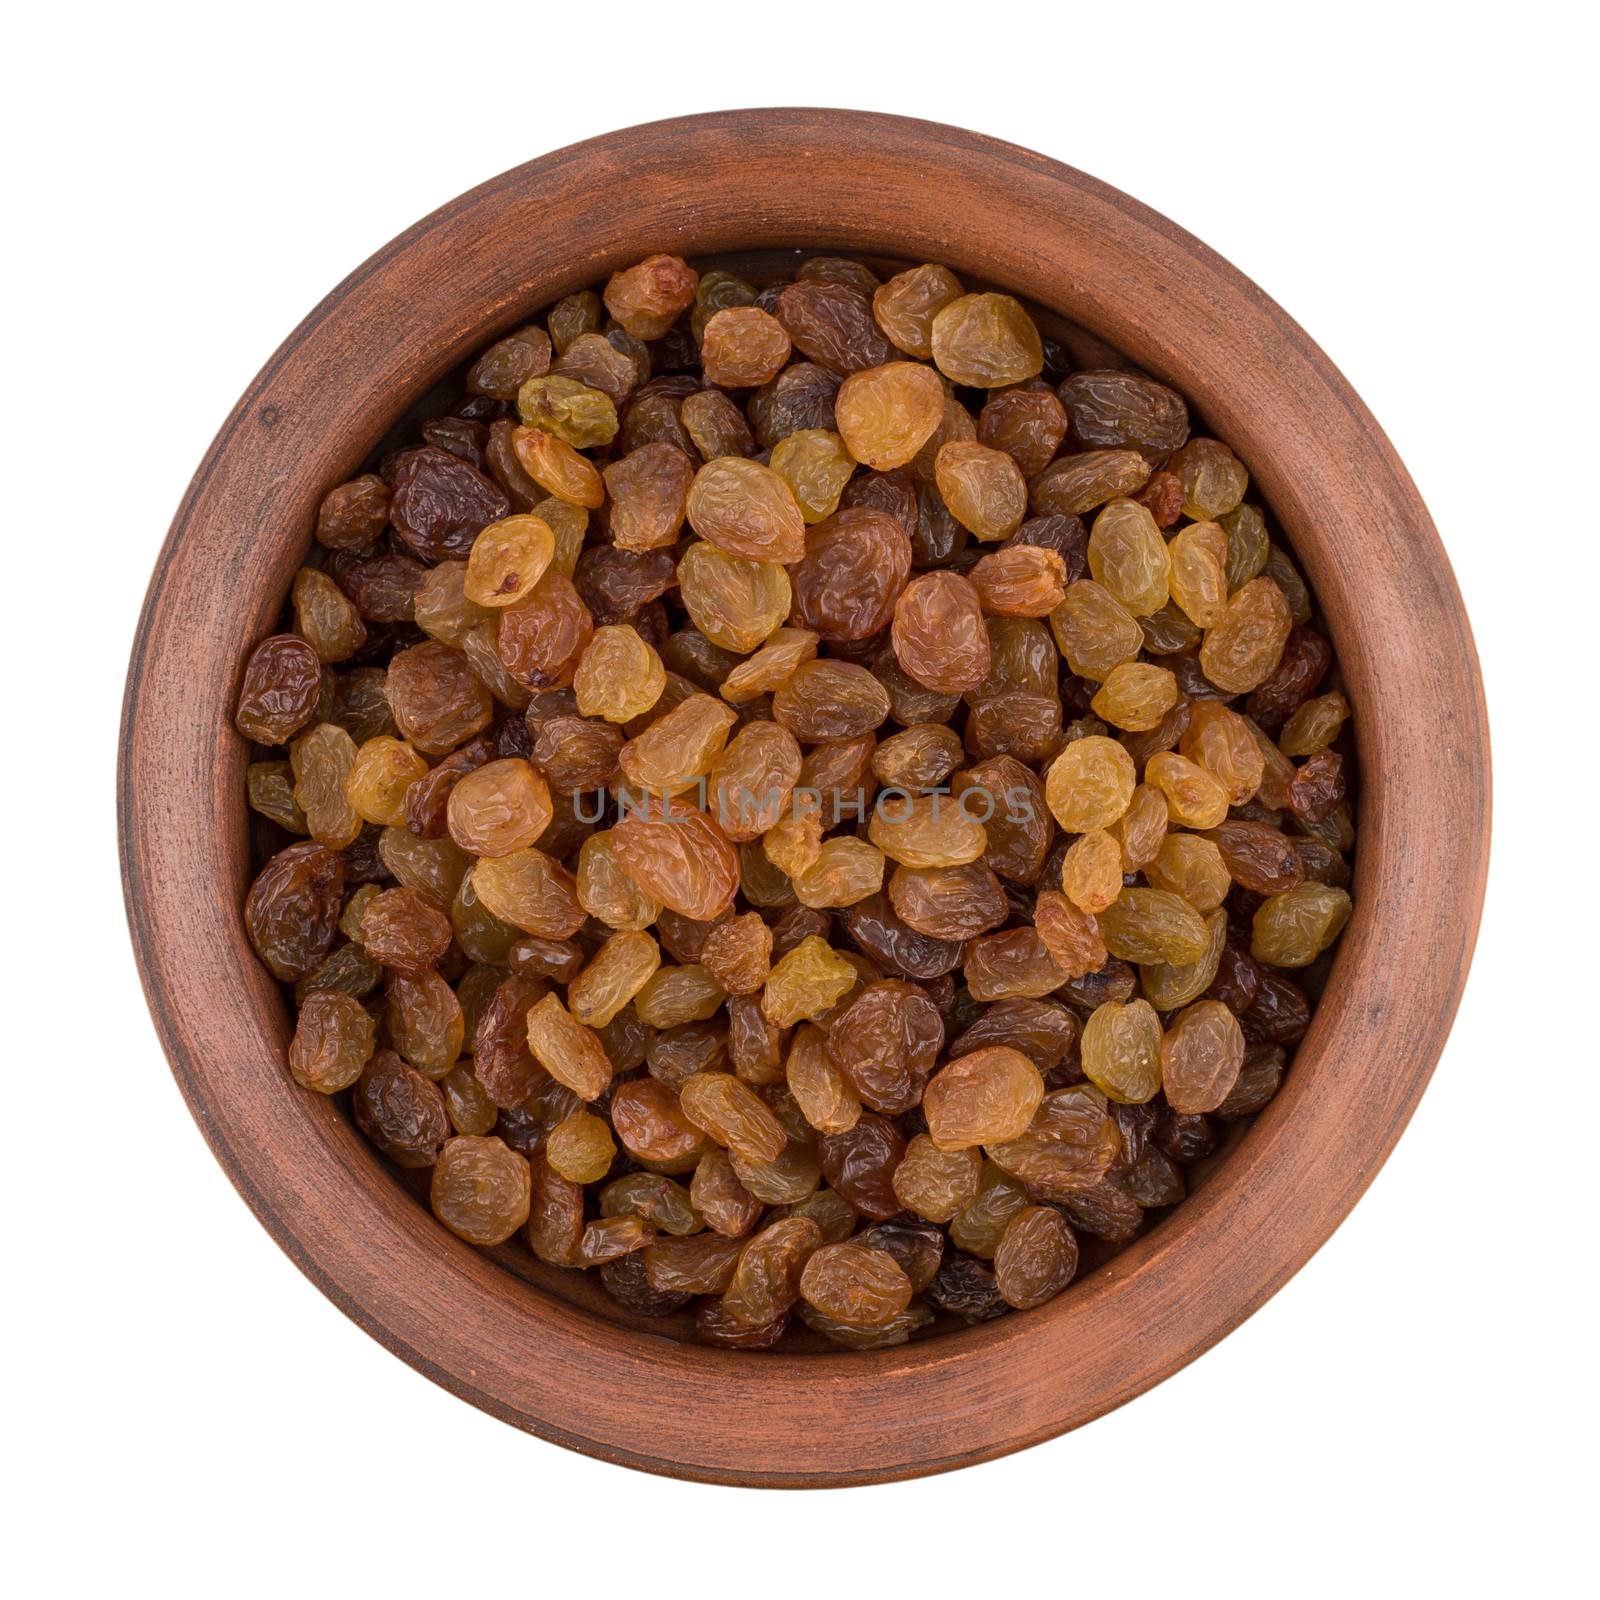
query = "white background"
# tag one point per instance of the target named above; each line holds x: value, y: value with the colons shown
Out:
x: 184, y: 1408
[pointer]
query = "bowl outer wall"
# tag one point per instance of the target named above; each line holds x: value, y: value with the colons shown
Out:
x: 876, y: 184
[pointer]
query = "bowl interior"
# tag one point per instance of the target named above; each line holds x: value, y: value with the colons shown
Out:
x: 582, y: 1290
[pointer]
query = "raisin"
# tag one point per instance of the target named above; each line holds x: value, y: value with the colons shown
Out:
x: 1036, y: 1257
x: 400, y: 1111
x: 505, y: 366
x: 611, y: 1237
x: 1010, y: 965
x: 824, y: 700
x: 617, y: 585
x: 715, y: 425
x: 766, y: 1279
x: 619, y: 970
x: 1314, y: 725
x: 498, y: 808
x: 855, y: 1284
x: 742, y: 347
x: 281, y: 690
x: 1258, y: 1080
x: 751, y: 780
x: 437, y: 699
x: 805, y: 982
x: 611, y: 362
x: 1280, y: 1015
x: 1192, y: 867
x: 885, y: 1044
x: 881, y: 933
x: 1122, y: 1051
x: 1074, y: 484
x: 1185, y: 1137
x: 1111, y: 409
x: 325, y: 617
x: 854, y: 566
x: 1008, y: 799
x: 333, y: 1040
x: 678, y: 748
x: 801, y: 396
x: 906, y: 305
x: 738, y: 953
x: 321, y: 762
x: 1067, y: 536
x: 1213, y: 478
x: 967, y: 1289
x: 352, y: 516
x: 938, y: 633
x: 987, y: 1097
x: 892, y: 492
x: 507, y: 559
x: 438, y: 503
x: 948, y: 903
x: 1090, y: 784
x: 860, y: 1162
x: 467, y: 1102
x: 542, y: 637
x: 577, y: 752
x: 1305, y: 660
x: 1237, y: 981
x: 1028, y: 424
x: 920, y: 758
x: 1020, y: 580
x: 1091, y: 871
x: 292, y: 911
x: 1201, y: 1054
x: 557, y: 468
x: 531, y: 891
x: 728, y: 1207
x: 832, y: 324
x: 575, y: 413
x: 816, y: 466
x: 626, y: 1280
x: 1243, y: 649
x: 733, y: 1115
x: 1071, y: 936
x: 1094, y: 630
x: 936, y: 1183
x: 481, y: 1190
x: 982, y: 488
x: 1315, y: 789
x: 1294, y: 927
x: 648, y: 298
x: 1195, y: 799
x: 746, y: 509
x: 650, y: 491
x: 926, y: 831
x: 986, y: 341
x: 1105, y: 1209
x: 270, y: 788
x: 403, y: 928
x: 1135, y: 696
x: 1258, y: 857
x: 735, y: 602
x: 679, y: 857
x: 653, y: 1126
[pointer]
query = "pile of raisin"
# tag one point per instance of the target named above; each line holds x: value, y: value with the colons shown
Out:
x: 802, y: 802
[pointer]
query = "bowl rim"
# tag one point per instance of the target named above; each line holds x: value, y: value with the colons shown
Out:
x: 880, y: 185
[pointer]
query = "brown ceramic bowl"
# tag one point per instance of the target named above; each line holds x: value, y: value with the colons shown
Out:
x: 542, y: 1349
